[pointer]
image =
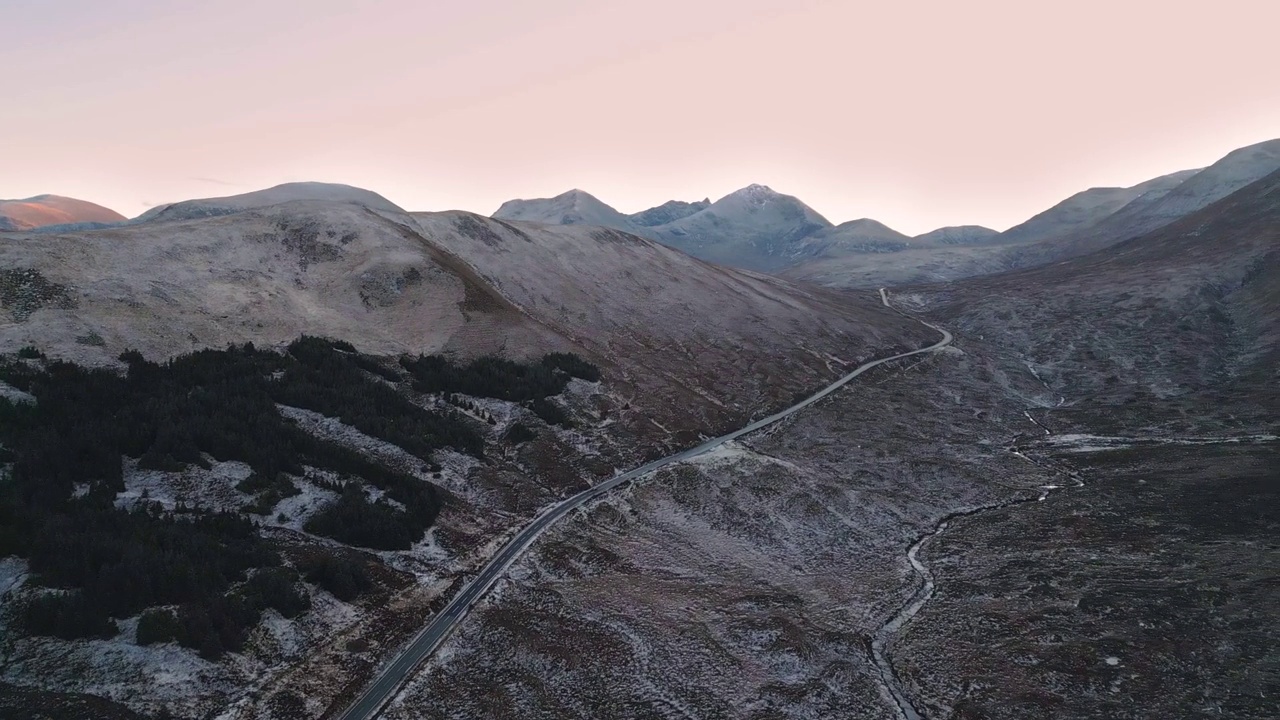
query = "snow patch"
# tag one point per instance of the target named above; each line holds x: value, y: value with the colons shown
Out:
x: 298, y: 509
x: 733, y: 452
x: 211, y: 490
x: 1082, y: 443
x: 13, y: 574
x: 14, y: 395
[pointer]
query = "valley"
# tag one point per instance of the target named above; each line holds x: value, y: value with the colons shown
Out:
x: 440, y: 465
x: 639, y: 360
x: 434, y: 634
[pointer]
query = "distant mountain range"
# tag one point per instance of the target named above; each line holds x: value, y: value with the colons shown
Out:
x: 1087, y: 208
x: 757, y: 228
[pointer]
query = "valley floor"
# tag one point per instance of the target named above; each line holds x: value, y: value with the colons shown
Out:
x: 1072, y: 578
x: 1148, y: 593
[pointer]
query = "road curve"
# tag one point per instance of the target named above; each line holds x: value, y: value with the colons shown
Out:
x: 394, y: 674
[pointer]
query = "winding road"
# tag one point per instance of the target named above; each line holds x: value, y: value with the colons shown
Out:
x: 393, y: 675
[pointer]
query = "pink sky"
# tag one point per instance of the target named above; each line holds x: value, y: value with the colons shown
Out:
x: 919, y: 114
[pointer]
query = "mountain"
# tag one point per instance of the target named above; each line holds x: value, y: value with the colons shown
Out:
x: 956, y: 235
x: 1158, y: 357
x: 1082, y: 224
x: 288, y: 192
x: 1107, y: 416
x: 343, y: 262
x: 684, y: 349
x: 1165, y: 203
x: 936, y: 255
x: 1087, y: 208
x: 969, y: 251
x: 1086, y: 222
x: 574, y: 207
x: 669, y: 211
x: 1178, y: 300
x: 855, y: 237
x: 1081, y: 210
x: 43, y: 210
x: 754, y: 228
x: 1090, y: 405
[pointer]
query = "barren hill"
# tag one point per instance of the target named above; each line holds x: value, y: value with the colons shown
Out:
x: 574, y: 207
x: 43, y: 210
x: 956, y: 235
x: 205, y: 273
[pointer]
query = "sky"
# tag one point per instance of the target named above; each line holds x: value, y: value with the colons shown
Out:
x: 917, y: 113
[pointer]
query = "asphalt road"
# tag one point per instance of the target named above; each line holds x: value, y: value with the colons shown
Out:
x: 393, y: 675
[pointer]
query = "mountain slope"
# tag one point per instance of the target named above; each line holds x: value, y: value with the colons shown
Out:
x: 1163, y: 204
x: 1086, y: 209
x: 635, y: 301
x: 263, y: 275
x: 1175, y: 310
x: 43, y: 210
x: 207, y: 273
x: 684, y: 349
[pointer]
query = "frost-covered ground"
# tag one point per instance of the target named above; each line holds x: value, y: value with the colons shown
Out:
x: 1133, y: 580
x: 1147, y: 593
x: 166, y: 675
x: 14, y: 395
x: 747, y: 582
x: 212, y: 490
x: 314, y: 659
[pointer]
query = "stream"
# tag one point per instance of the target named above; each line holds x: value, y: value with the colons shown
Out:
x: 890, y: 682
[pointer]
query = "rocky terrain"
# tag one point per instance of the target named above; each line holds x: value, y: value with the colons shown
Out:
x: 1064, y: 513
x: 1083, y: 483
x: 747, y: 583
x: 684, y: 349
x: 1148, y: 592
